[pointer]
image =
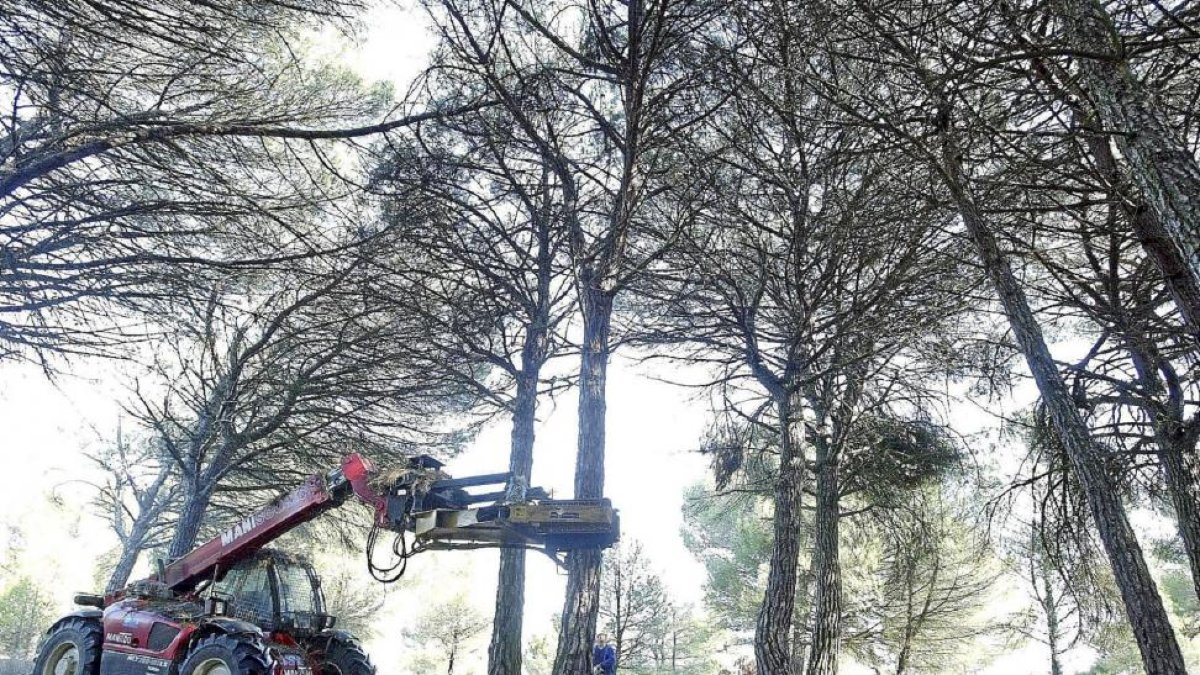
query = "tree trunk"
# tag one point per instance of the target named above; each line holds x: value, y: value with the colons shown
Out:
x: 773, y: 629
x: 1143, y: 605
x: 1050, y: 607
x: 191, y: 518
x: 131, y: 548
x: 1163, y: 167
x: 1183, y: 286
x: 907, y: 638
x: 579, y: 614
x: 799, y: 644
x: 618, y: 616
x: 802, y: 614
x: 1175, y: 442
x: 827, y: 602
x: 902, y: 661
x: 504, y: 652
x: 120, y: 574
x: 582, y: 602
x: 1181, y: 467
x: 151, y: 505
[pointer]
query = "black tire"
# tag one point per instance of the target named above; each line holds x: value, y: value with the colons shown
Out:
x: 72, y: 647
x: 342, y: 656
x: 231, y: 654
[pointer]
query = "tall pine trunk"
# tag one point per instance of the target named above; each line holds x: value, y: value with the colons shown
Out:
x: 1181, y: 466
x: 1161, y: 164
x: 196, y: 498
x: 1053, y: 631
x: 772, y: 632
x: 504, y: 652
x: 1176, y: 450
x: 1176, y: 444
x: 1183, y: 286
x: 1143, y: 605
x: 151, y: 504
x: 907, y: 638
x: 133, y: 544
x: 802, y: 614
x: 582, y: 602
x: 124, y: 568
x: 827, y: 571
x: 1156, y: 241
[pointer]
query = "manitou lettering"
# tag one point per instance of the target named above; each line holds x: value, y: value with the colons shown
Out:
x: 239, y: 530
x: 249, y: 523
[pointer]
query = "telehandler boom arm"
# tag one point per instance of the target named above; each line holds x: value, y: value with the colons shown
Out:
x: 418, y: 498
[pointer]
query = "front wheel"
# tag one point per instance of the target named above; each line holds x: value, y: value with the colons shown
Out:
x: 71, y: 648
x: 342, y: 656
x: 226, y: 655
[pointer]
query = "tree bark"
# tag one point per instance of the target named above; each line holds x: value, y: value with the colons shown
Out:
x: 1176, y: 443
x: 191, y: 517
x: 906, y: 639
x: 902, y: 660
x: 504, y: 652
x: 582, y: 603
x: 1143, y: 605
x: 1050, y: 606
x: 1183, y: 286
x: 150, y: 507
x: 772, y: 631
x: 799, y: 643
x: 120, y: 574
x: 1181, y: 467
x: 1163, y: 167
x: 1176, y: 450
x: 827, y: 602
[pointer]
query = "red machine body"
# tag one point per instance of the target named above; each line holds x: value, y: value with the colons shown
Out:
x: 233, y: 607
x: 150, y: 627
x: 315, y: 496
x: 143, y: 637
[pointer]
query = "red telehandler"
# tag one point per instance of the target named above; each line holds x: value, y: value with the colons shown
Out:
x: 233, y: 607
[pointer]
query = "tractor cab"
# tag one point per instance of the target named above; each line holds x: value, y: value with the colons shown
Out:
x: 275, y: 591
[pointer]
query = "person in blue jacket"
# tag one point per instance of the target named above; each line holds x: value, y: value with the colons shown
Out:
x: 604, y: 656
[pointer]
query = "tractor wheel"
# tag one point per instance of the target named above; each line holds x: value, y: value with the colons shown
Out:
x: 227, y: 655
x: 71, y: 648
x: 343, y: 657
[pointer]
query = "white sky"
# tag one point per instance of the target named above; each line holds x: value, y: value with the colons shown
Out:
x: 652, y: 430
